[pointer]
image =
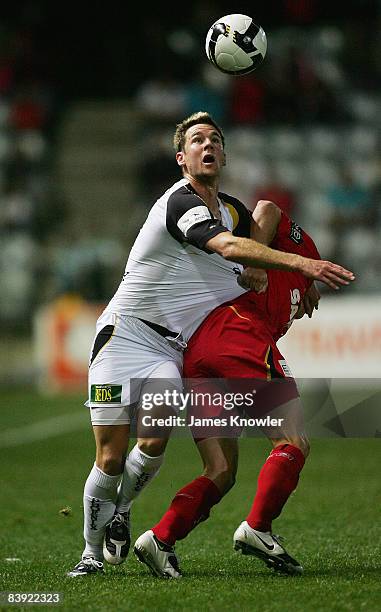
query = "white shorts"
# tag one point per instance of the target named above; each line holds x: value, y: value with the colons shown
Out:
x: 128, y: 359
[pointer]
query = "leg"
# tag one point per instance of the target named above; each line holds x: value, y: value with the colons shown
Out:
x: 190, y: 506
x: 100, y: 493
x: 125, y: 353
x: 277, y: 479
x: 220, y: 458
x: 279, y: 475
x: 144, y: 460
x: 101, y: 486
x: 140, y: 467
x: 192, y: 503
x: 111, y: 447
x: 146, y: 457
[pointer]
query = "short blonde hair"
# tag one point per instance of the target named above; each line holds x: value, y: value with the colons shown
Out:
x: 183, y: 127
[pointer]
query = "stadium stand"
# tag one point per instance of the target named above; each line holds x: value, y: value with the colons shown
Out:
x: 75, y: 170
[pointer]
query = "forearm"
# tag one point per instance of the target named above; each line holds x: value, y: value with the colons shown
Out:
x: 251, y: 253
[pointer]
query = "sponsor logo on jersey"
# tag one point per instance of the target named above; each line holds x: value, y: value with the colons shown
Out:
x: 103, y: 394
x: 285, y: 367
x: 296, y: 233
x: 192, y: 217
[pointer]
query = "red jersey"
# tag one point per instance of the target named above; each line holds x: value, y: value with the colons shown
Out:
x: 278, y: 306
x: 238, y: 339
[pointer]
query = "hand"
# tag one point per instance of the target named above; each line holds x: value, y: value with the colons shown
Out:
x: 309, y: 303
x: 327, y: 272
x: 253, y: 278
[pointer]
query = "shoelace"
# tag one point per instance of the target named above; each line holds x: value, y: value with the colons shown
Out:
x: 278, y: 539
x: 93, y: 562
x: 121, y: 518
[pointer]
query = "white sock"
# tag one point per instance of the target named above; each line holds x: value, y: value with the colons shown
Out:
x: 98, y: 506
x: 139, y: 470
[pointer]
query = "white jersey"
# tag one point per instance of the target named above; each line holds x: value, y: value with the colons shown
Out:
x: 171, y: 279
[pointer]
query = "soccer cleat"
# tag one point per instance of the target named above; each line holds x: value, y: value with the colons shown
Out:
x: 117, y: 540
x: 265, y: 546
x: 88, y: 566
x: 160, y: 558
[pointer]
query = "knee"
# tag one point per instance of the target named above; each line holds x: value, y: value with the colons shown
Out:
x: 153, y: 447
x: 110, y: 463
x: 303, y: 444
x: 306, y: 447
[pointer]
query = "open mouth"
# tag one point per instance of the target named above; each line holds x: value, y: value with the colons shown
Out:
x: 208, y: 158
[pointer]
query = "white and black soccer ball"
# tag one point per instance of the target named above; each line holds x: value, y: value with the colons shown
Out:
x: 235, y: 44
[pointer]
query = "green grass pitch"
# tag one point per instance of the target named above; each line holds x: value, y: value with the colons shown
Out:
x: 331, y: 524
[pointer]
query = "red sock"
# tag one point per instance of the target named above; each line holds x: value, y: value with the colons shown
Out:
x: 190, y: 506
x: 276, y: 481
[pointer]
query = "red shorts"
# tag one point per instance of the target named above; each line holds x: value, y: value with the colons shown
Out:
x: 237, y: 348
x: 233, y: 343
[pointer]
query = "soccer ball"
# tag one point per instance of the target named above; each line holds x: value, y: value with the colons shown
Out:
x: 235, y: 44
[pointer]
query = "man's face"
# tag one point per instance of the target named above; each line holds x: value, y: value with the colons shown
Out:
x: 203, y: 154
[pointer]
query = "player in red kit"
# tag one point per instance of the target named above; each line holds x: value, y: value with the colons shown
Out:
x: 238, y: 341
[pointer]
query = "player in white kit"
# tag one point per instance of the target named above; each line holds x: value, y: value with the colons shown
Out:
x: 184, y: 262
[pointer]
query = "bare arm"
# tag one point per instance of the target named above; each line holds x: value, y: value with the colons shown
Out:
x: 251, y: 253
x: 266, y: 218
x: 265, y: 221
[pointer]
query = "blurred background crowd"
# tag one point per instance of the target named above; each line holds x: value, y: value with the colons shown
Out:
x: 88, y: 104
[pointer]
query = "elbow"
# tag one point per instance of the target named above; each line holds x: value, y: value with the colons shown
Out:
x: 266, y: 207
x: 230, y: 250
x: 227, y: 247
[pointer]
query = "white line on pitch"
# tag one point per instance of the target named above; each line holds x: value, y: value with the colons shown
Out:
x: 41, y: 430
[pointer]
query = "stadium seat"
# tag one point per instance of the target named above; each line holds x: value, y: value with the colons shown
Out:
x: 5, y: 147
x: 364, y: 106
x: 364, y: 171
x: 289, y: 172
x: 4, y: 114
x: 323, y: 141
x: 32, y: 144
x: 246, y: 142
x: 314, y: 209
x: 362, y: 140
x: 286, y: 143
x: 247, y: 170
x: 321, y: 173
x: 360, y: 244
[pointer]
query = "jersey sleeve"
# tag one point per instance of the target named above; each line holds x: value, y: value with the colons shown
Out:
x: 290, y: 237
x: 189, y: 220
